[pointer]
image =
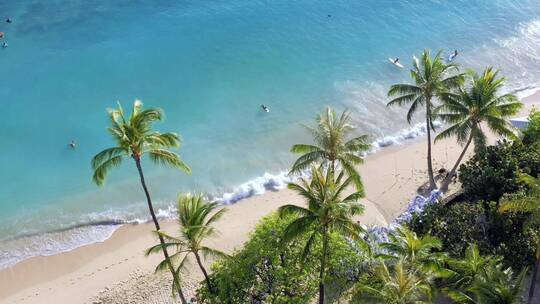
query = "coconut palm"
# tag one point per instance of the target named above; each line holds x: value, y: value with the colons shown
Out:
x: 332, y: 146
x: 135, y: 138
x: 196, y: 218
x: 480, y: 103
x: 495, y: 286
x: 469, y: 268
x: 396, y: 283
x: 419, y: 251
x: 327, y: 212
x: 432, y: 80
x: 529, y: 203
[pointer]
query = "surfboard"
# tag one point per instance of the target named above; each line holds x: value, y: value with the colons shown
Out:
x: 399, y: 65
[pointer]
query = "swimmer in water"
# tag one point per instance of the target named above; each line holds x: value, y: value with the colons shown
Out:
x: 265, y: 108
x: 396, y: 60
x: 72, y: 144
x: 4, y: 45
x: 8, y: 20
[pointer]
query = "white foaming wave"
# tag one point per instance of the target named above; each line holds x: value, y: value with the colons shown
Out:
x: 47, y: 244
x: 271, y: 182
x: 517, y: 56
x: 259, y: 186
x: 415, y: 131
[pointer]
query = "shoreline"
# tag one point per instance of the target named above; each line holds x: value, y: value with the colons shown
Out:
x: 254, y: 187
x: 391, y: 177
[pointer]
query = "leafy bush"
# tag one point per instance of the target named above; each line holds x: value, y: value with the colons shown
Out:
x: 489, y: 174
x: 265, y: 272
x: 494, y: 170
x: 532, y: 133
x: 458, y: 225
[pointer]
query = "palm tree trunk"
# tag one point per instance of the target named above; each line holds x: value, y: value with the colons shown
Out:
x: 176, y: 280
x: 207, y: 279
x: 323, y: 266
x: 432, y: 184
x: 533, y: 280
x: 448, y: 178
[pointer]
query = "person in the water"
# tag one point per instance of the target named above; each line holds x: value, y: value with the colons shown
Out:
x: 396, y: 60
x: 265, y: 108
x: 8, y: 20
x: 72, y: 144
x: 4, y: 45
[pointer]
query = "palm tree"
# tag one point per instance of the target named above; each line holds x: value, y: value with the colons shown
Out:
x: 419, y: 251
x: 332, y: 146
x: 397, y: 283
x: 495, y: 286
x: 196, y: 218
x: 469, y: 268
x: 432, y: 80
x: 327, y: 212
x: 135, y: 138
x: 471, y: 107
x: 528, y: 204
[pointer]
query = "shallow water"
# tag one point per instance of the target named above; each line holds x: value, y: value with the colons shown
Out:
x: 209, y: 65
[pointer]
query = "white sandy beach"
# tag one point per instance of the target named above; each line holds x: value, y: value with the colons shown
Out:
x: 116, y: 271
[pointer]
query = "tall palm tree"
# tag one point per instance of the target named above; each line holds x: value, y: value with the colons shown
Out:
x: 432, y: 80
x: 135, y: 138
x: 528, y: 204
x: 473, y: 106
x: 396, y: 283
x: 196, y: 218
x: 332, y: 145
x: 326, y: 212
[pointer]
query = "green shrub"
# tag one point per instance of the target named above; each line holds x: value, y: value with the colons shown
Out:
x: 458, y: 225
x: 493, y: 171
x: 532, y: 133
x: 263, y: 271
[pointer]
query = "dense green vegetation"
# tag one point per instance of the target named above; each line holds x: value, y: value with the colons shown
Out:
x: 475, y: 249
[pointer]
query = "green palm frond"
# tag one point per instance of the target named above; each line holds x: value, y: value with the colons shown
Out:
x: 100, y: 172
x: 167, y: 158
x: 134, y: 137
x: 332, y: 144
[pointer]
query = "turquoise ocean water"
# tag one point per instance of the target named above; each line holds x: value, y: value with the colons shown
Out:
x: 209, y: 64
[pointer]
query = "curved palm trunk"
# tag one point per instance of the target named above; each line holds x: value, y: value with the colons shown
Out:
x: 176, y: 280
x: 323, y: 266
x: 432, y: 184
x: 206, y: 278
x: 448, y: 178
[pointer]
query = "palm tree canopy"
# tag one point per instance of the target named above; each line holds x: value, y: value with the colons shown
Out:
x: 396, y: 284
x: 432, y: 78
x: 134, y: 137
x: 480, y: 103
x: 332, y: 145
x: 196, y: 218
x: 327, y: 209
x: 420, y: 252
x: 495, y: 286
